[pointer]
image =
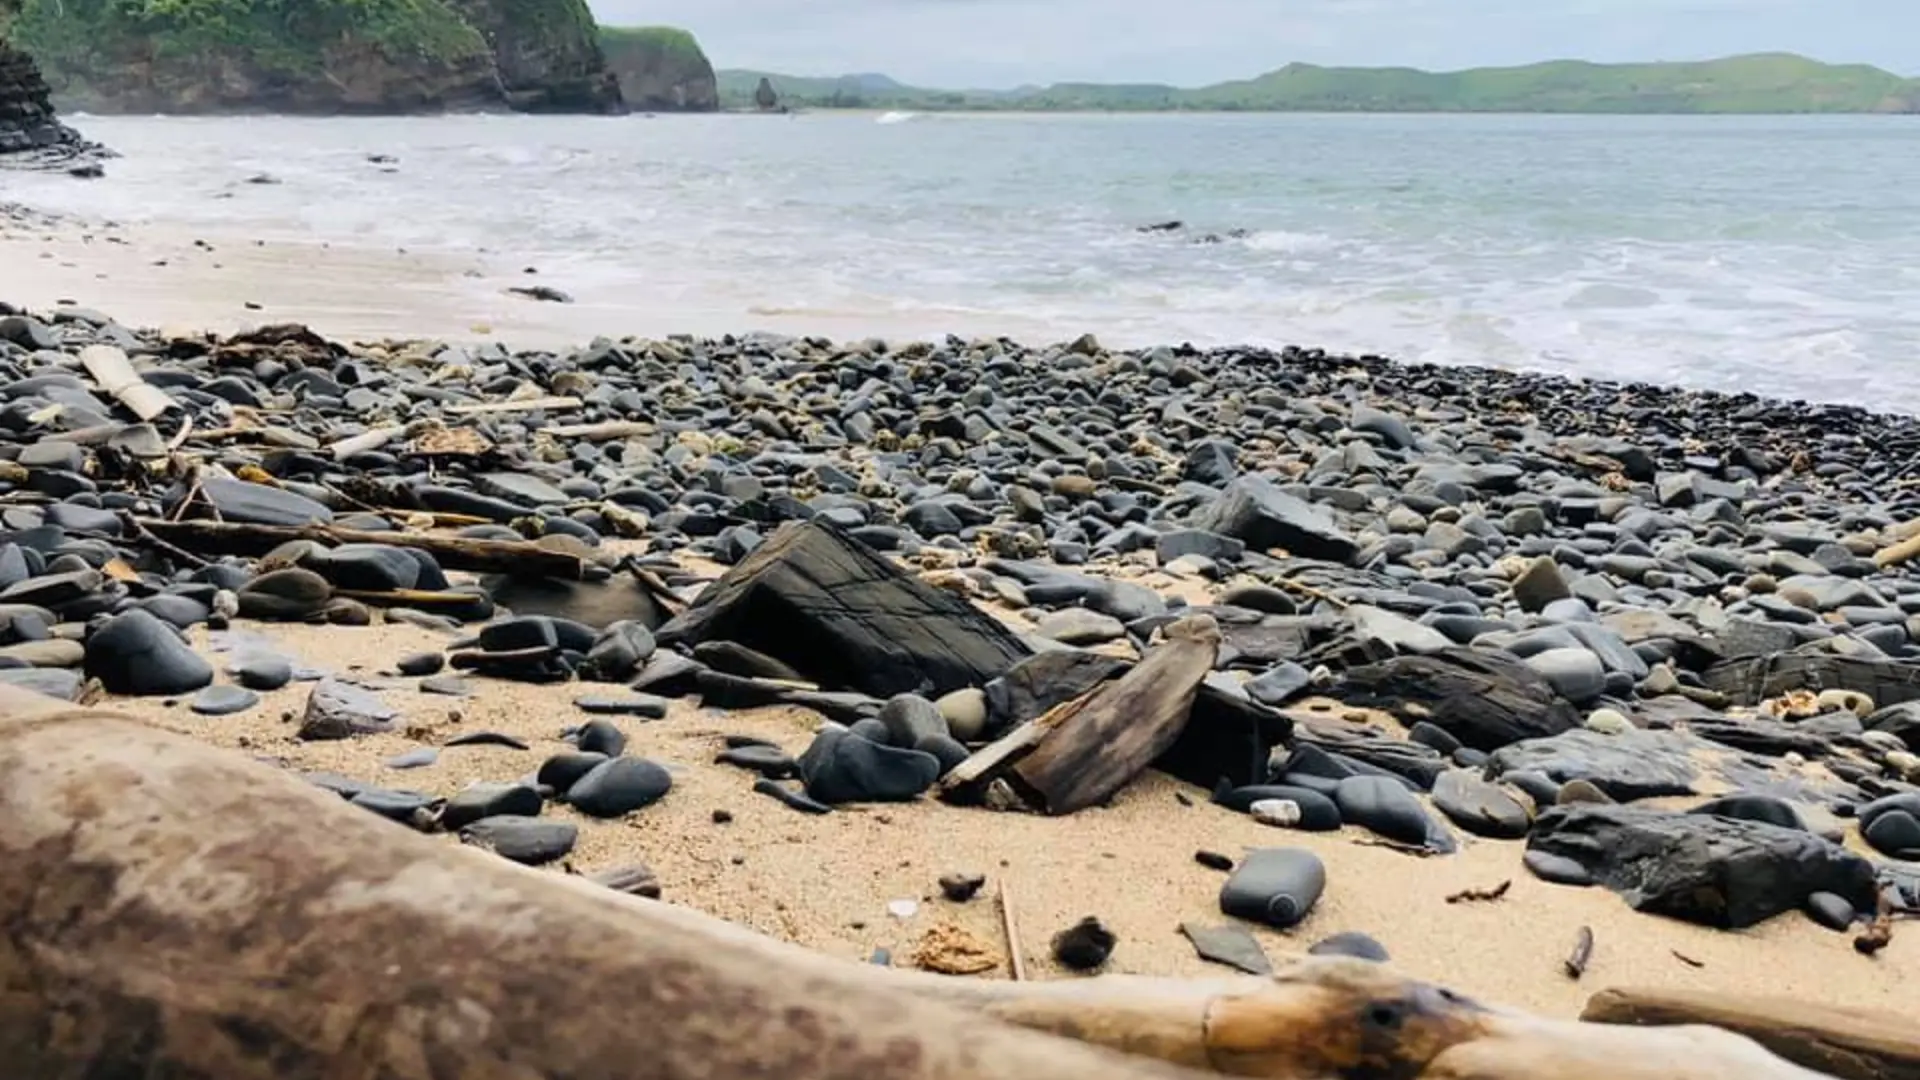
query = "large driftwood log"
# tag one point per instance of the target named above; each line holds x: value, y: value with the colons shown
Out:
x: 175, y: 910
x: 1751, y: 680
x: 1849, y: 1043
x: 451, y: 552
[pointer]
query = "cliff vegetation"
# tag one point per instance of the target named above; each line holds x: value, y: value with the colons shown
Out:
x: 318, y: 56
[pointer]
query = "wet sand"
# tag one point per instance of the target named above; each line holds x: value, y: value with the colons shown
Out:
x: 825, y: 882
x: 169, y: 278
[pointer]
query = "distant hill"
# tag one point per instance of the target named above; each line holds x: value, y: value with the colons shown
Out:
x: 1756, y: 83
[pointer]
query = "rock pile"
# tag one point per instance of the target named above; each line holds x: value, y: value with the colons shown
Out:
x: 1336, y: 592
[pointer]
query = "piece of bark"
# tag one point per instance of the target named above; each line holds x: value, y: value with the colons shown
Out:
x: 1853, y: 1044
x: 451, y: 552
x: 164, y: 894
x: 343, y: 449
x: 839, y: 613
x: 1084, y: 750
x: 1582, y: 954
x: 1752, y: 680
x: 602, y: 432
x: 1465, y: 896
x: 110, y: 368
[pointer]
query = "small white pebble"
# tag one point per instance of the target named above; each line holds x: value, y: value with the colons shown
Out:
x: 1284, y: 813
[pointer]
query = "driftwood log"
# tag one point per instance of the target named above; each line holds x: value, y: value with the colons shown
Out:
x: 1083, y: 750
x: 1853, y: 1044
x: 1751, y: 680
x: 175, y: 910
x: 451, y: 552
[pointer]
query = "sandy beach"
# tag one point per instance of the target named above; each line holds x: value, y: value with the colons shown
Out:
x: 826, y: 882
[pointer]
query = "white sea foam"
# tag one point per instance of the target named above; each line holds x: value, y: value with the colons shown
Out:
x: 1767, y: 254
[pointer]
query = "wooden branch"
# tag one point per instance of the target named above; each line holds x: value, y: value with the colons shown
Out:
x: 514, y: 405
x: 1016, y: 958
x: 451, y: 552
x: 163, y: 894
x: 162, y: 922
x: 1853, y: 1044
x: 1582, y: 954
x: 601, y: 432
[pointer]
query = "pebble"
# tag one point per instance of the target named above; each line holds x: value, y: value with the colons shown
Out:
x: 138, y: 655
x: 421, y: 664
x: 525, y: 840
x: 619, y: 786
x: 1350, y: 943
x: 961, y: 888
x: 224, y: 700
x: 261, y: 671
x: 1084, y: 946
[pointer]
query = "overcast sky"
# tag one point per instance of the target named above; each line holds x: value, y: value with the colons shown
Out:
x: 982, y: 43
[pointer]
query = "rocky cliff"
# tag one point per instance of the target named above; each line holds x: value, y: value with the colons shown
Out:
x: 661, y: 69
x: 318, y: 56
x: 547, y: 53
x: 29, y: 133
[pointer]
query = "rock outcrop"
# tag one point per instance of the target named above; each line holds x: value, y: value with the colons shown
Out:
x: 546, y: 53
x: 29, y: 132
x: 323, y: 57
x: 661, y: 69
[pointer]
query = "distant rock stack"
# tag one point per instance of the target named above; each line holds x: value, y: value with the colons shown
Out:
x: 764, y: 97
x: 30, y: 134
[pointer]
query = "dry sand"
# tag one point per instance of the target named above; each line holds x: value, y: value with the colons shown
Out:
x: 826, y: 882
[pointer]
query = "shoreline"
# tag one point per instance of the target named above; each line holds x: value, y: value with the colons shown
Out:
x: 165, y: 277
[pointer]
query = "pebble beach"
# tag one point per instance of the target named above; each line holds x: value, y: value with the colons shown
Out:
x: 1503, y: 627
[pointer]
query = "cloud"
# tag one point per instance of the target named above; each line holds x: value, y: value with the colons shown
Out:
x: 1005, y: 42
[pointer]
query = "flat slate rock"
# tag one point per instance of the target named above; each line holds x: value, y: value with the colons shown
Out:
x: 58, y: 683
x: 224, y: 700
x: 257, y: 504
x: 530, y: 841
x: 1701, y: 868
x: 261, y: 671
x: 1483, y: 698
x: 1254, y: 510
x: 645, y: 706
x: 1480, y: 806
x: 837, y: 611
x: 1631, y: 765
x: 418, y: 758
x: 341, y: 710
x: 1230, y: 945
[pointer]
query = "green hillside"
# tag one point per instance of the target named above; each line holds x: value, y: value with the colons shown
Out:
x: 1758, y: 83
